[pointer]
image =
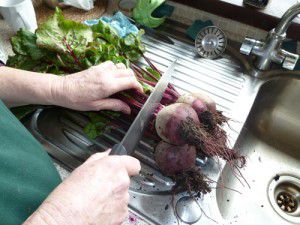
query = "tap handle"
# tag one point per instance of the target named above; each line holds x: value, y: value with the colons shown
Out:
x: 290, y: 60
x: 249, y: 44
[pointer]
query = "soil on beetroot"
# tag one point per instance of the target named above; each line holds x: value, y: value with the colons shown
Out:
x: 210, y: 140
x: 193, y: 181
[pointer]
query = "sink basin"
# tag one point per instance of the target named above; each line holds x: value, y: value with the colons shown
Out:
x: 270, y: 139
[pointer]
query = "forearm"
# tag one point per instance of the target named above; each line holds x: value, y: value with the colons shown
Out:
x: 19, y: 87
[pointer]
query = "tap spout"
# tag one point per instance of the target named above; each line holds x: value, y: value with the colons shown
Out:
x: 287, y: 19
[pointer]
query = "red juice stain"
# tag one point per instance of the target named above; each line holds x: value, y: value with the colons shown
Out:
x: 132, y: 219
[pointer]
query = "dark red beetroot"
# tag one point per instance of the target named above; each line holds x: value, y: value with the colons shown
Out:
x: 199, y: 101
x: 206, y: 109
x: 169, y: 119
x: 172, y: 159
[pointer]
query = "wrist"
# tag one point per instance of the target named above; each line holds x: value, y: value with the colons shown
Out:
x: 41, y: 217
x: 49, y: 214
x: 57, y: 95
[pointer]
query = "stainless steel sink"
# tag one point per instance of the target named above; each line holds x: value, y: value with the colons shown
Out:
x: 270, y: 139
x: 60, y: 130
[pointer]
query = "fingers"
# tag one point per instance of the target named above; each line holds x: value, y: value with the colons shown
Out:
x: 132, y: 165
x: 121, y: 66
x: 97, y: 156
x: 108, y: 65
x: 125, y: 83
x: 111, y: 104
x: 123, y: 73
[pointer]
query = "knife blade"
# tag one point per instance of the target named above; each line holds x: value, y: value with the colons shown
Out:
x: 152, y: 32
x: 135, y: 131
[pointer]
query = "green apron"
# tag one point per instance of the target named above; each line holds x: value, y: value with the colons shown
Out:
x: 27, y: 175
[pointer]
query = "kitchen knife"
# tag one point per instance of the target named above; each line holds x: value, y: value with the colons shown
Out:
x: 135, y: 131
x: 152, y: 32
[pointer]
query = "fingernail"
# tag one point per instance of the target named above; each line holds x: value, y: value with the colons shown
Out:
x: 127, y: 111
x: 142, y: 89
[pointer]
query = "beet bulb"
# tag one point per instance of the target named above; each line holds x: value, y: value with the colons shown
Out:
x: 174, y: 159
x: 169, y: 120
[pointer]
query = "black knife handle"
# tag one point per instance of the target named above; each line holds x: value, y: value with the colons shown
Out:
x: 118, y: 149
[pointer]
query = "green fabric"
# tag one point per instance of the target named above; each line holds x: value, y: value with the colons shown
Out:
x: 27, y: 175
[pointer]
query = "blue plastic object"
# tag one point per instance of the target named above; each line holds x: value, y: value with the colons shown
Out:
x: 119, y: 22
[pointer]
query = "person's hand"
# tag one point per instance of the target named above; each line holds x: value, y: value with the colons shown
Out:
x: 89, y: 89
x: 96, y: 193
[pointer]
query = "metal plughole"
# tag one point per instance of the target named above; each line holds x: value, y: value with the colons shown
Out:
x: 270, y: 51
x: 270, y: 139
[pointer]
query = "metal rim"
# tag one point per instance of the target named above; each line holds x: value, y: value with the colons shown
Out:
x: 285, y: 184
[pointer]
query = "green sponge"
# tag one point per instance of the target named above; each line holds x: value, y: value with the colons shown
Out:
x: 163, y: 10
x: 193, y: 30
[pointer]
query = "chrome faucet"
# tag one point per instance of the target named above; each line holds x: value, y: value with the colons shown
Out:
x: 270, y: 51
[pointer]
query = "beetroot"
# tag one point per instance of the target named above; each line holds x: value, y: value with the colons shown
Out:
x: 172, y: 159
x: 205, y: 108
x: 199, y: 102
x: 169, y: 119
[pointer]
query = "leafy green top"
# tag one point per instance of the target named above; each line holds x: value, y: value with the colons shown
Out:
x: 63, y: 46
x: 142, y: 13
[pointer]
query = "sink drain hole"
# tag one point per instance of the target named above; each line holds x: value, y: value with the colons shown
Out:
x: 287, y: 202
x: 284, y: 196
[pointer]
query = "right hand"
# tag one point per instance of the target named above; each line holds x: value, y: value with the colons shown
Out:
x: 95, y: 193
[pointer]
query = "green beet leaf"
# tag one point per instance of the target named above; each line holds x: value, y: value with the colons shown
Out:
x: 143, y: 10
x: 62, y: 47
x: 61, y: 35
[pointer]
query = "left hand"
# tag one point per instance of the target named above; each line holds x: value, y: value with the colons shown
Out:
x: 89, y: 89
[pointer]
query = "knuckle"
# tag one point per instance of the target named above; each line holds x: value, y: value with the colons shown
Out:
x: 113, y: 163
x: 138, y: 165
x: 133, y: 81
x: 109, y: 62
x: 121, y: 65
x: 94, y: 106
x: 95, y: 156
x: 115, y: 104
x: 130, y: 71
x: 124, y: 183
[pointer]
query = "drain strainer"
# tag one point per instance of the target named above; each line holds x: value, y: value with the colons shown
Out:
x: 284, y: 195
x: 210, y: 42
x: 287, y: 202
